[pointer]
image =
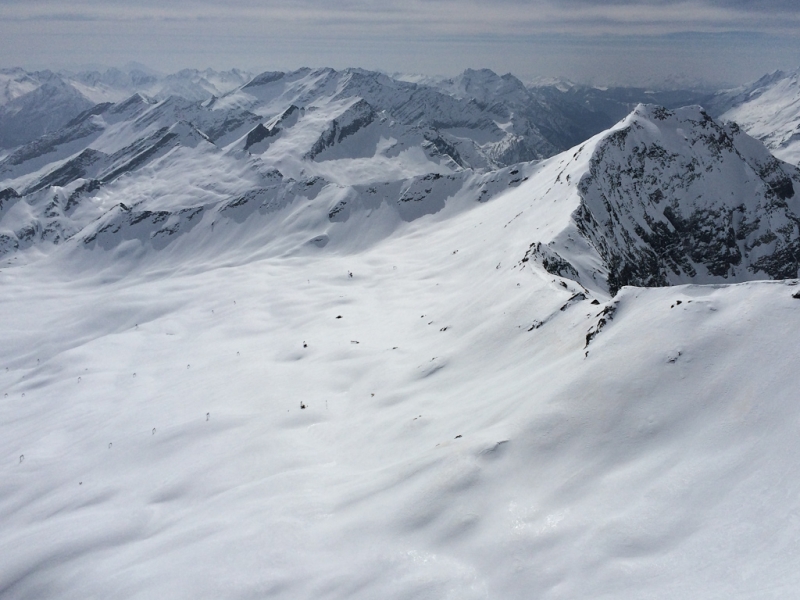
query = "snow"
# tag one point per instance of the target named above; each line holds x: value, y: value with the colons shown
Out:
x: 769, y: 110
x: 115, y: 85
x: 33, y: 104
x: 15, y: 83
x: 659, y: 163
x: 250, y: 373
x: 662, y: 464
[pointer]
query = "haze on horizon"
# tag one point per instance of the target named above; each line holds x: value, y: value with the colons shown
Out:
x: 622, y: 41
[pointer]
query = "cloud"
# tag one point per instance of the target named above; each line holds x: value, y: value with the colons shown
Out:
x: 467, y: 17
x: 622, y: 40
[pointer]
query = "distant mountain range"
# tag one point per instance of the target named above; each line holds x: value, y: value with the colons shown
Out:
x: 662, y: 197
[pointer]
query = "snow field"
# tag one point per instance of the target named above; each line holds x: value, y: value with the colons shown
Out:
x: 660, y: 465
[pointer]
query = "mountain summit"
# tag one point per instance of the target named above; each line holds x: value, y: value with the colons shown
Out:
x: 669, y: 197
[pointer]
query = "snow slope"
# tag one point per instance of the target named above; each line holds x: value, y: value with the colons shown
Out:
x: 769, y: 110
x: 115, y: 85
x: 40, y: 103
x: 40, y: 111
x: 289, y: 371
x: 456, y: 440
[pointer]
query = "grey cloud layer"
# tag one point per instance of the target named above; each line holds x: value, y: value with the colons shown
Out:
x: 611, y: 40
x: 460, y: 10
x: 744, y: 5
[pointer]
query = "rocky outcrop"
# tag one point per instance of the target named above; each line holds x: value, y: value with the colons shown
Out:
x: 356, y: 117
x: 673, y: 196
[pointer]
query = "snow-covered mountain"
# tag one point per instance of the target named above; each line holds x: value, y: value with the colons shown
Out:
x: 670, y: 197
x: 15, y: 83
x: 528, y: 110
x: 486, y: 135
x: 510, y: 122
x: 769, y: 110
x: 313, y: 338
x: 592, y: 110
x: 33, y: 104
x: 664, y: 197
x: 34, y: 107
x: 114, y: 85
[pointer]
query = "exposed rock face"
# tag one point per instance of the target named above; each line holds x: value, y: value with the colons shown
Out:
x: 356, y: 117
x: 673, y: 196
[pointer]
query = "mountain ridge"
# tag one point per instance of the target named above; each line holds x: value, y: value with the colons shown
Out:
x: 663, y: 198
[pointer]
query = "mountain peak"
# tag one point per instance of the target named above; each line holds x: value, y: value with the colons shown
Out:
x: 265, y: 78
x: 672, y: 196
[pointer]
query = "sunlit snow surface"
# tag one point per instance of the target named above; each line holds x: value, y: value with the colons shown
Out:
x: 459, y: 440
x: 769, y: 110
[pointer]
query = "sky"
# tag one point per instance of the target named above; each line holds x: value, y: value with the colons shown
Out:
x: 595, y: 41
